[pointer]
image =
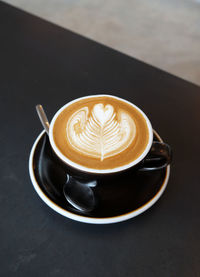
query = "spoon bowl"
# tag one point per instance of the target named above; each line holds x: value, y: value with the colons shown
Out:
x: 80, y: 194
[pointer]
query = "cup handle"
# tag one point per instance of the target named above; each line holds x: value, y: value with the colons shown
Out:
x: 159, y: 156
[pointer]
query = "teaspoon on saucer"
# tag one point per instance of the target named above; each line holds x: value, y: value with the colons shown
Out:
x: 78, y: 193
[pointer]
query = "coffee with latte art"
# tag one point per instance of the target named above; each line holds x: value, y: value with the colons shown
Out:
x: 100, y: 133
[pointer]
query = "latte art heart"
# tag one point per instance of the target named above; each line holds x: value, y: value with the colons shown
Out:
x: 100, y: 132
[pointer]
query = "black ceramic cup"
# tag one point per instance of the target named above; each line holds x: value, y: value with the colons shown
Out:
x: 82, y: 185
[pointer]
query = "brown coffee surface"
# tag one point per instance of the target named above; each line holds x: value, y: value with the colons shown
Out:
x: 101, y: 133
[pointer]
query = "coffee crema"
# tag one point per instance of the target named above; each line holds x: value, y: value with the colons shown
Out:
x: 101, y: 132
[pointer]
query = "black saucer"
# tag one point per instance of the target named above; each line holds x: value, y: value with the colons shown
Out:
x: 121, y: 197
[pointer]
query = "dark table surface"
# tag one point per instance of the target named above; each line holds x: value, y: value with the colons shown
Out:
x: 43, y: 63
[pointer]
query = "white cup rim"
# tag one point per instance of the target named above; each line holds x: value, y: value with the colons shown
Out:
x: 100, y: 171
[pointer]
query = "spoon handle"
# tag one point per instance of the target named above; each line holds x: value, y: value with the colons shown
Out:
x: 43, y: 117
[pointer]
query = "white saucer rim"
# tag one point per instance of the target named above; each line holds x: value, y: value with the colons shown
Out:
x: 86, y: 219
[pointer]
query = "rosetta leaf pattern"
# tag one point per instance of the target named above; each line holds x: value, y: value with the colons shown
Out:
x: 100, y: 133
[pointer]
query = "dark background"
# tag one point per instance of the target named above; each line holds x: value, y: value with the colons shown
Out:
x: 43, y: 63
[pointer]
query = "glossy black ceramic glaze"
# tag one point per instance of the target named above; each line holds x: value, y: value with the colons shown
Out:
x: 108, y: 195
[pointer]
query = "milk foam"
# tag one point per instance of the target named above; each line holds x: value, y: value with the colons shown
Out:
x: 100, y: 132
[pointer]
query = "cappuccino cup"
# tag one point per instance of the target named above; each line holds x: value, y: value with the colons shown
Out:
x: 104, y: 136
